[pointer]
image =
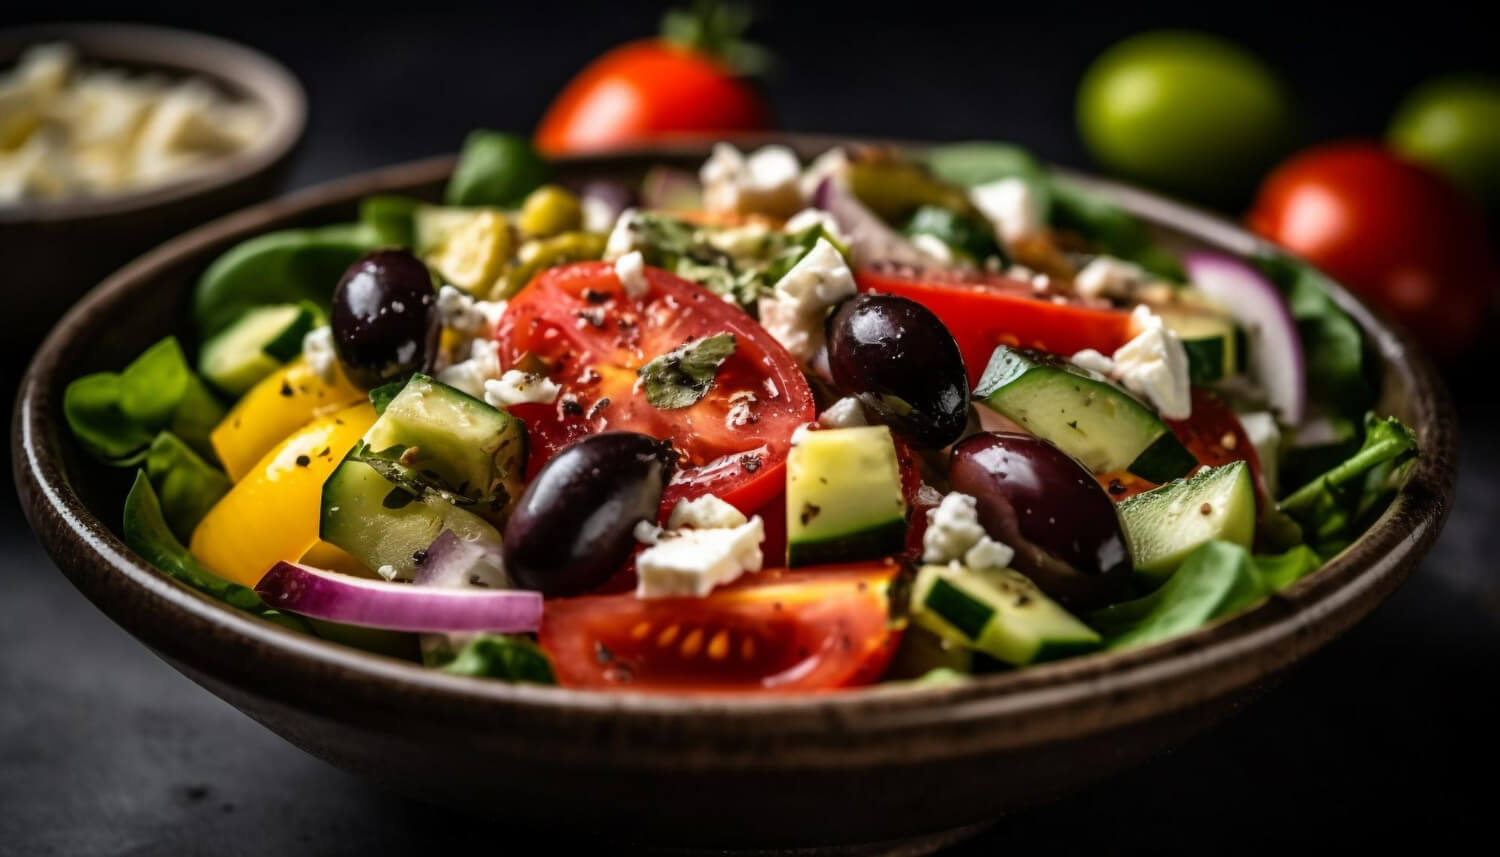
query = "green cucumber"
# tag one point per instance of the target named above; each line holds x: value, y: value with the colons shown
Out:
x: 998, y: 612
x: 1169, y: 522
x: 843, y: 496
x: 1215, y: 346
x: 382, y: 525
x: 255, y: 345
x: 450, y: 441
x: 1083, y: 414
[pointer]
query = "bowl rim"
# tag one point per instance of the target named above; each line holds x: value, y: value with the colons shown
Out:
x: 1048, y: 702
x: 256, y: 76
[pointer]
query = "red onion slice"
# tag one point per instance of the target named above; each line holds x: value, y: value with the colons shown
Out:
x: 452, y: 560
x: 398, y: 606
x: 1276, y: 358
x: 870, y: 239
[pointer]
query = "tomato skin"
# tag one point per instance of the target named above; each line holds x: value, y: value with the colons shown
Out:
x: 1213, y: 434
x: 1393, y: 231
x: 984, y: 310
x: 647, y: 89
x: 591, y: 336
x: 775, y: 631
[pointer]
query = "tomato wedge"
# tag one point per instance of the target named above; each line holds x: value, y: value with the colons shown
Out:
x: 1213, y: 435
x: 804, y: 630
x: 983, y: 310
x: 579, y: 326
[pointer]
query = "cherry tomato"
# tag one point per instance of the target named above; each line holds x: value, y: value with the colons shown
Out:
x: 648, y: 89
x: 578, y: 326
x: 1213, y: 435
x: 778, y: 630
x: 1391, y: 230
x: 983, y: 310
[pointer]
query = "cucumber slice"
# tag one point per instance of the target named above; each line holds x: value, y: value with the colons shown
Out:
x: 382, y: 525
x: 998, y: 612
x: 452, y: 442
x: 1165, y: 524
x: 1083, y: 414
x: 843, y: 496
x: 1215, y: 346
x: 467, y: 246
x: 255, y: 345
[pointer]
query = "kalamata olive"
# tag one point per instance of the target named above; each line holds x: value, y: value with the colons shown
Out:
x: 574, y: 526
x: 897, y: 358
x: 385, y: 326
x: 1062, y: 525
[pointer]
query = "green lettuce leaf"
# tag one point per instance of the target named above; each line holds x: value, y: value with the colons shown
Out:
x: 1334, y: 507
x: 503, y: 656
x: 683, y: 375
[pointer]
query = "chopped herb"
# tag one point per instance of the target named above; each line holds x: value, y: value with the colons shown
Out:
x: 684, y: 375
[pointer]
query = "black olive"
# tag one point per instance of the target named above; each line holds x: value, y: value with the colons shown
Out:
x: 385, y: 324
x: 1050, y: 510
x: 897, y: 358
x: 574, y: 527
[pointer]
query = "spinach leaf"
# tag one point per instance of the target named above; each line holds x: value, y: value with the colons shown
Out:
x: 186, y: 485
x: 503, y: 656
x: 684, y: 375
x: 1332, y: 343
x: 495, y: 168
x: 91, y: 405
x: 1112, y: 229
x: 1333, y: 507
x: 1216, y: 580
x: 1282, y: 570
x: 392, y: 218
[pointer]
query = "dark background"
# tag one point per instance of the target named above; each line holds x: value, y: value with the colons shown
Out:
x: 1386, y: 735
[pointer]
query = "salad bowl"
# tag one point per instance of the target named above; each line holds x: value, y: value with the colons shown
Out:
x: 902, y: 768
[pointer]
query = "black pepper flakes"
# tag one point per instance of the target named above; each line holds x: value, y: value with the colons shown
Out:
x: 751, y: 462
x: 303, y: 461
x: 286, y: 390
x: 1116, y: 487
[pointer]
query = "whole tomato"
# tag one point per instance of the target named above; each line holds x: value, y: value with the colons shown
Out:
x: 1393, y: 231
x: 692, y: 79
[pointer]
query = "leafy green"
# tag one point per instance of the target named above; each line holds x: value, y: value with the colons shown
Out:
x: 147, y: 533
x: 1112, y: 229
x: 284, y: 267
x: 116, y: 416
x: 1333, y: 508
x: 967, y: 236
x: 392, y: 217
x: 977, y: 163
x: 186, y: 485
x: 503, y: 656
x: 1333, y: 346
x: 1282, y: 570
x: 742, y: 263
x: 1216, y: 580
x: 683, y: 375
x: 495, y: 168
x: 382, y: 395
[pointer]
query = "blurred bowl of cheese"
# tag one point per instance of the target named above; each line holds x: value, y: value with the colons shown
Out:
x: 115, y: 137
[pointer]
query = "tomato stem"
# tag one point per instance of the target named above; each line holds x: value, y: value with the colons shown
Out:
x: 716, y: 29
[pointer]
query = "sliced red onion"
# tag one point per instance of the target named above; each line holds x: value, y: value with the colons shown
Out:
x: 398, y: 606
x: 1276, y: 358
x: 602, y: 202
x: 452, y: 560
x: 870, y: 239
x: 669, y: 189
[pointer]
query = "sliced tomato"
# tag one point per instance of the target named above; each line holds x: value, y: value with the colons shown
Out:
x: 804, y: 630
x: 1213, y: 435
x: 578, y: 325
x: 983, y: 310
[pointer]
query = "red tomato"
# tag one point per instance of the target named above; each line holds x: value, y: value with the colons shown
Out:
x: 648, y: 89
x: 1391, y: 230
x: 810, y: 629
x: 1213, y: 435
x: 983, y: 310
x: 577, y: 323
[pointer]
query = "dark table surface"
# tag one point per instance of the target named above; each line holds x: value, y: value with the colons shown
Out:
x: 1388, y: 733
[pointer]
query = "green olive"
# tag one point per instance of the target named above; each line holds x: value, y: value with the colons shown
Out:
x: 542, y: 253
x: 549, y: 210
x: 1189, y: 112
x: 1454, y: 125
x: 896, y: 189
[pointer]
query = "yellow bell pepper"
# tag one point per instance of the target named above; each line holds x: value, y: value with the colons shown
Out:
x: 274, y: 408
x: 272, y: 513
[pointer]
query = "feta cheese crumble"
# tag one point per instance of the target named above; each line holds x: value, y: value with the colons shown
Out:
x: 459, y: 311
x: 470, y: 375
x: 988, y: 553
x: 631, y: 269
x: 1153, y: 365
x: 516, y: 387
x: 704, y: 513
x: 952, y: 529
x: 317, y: 350
x: 763, y: 181
x: 1012, y: 205
x: 621, y: 238
x: 691, y: 562
x: 1265, y: 435
x: 807, y: 218
x: 1106, y: 276
x: 793, y: 313
x: 845, y: 413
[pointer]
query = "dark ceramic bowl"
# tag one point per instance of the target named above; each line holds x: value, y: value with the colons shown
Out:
x: 55, y: 251
x: 882, y: 770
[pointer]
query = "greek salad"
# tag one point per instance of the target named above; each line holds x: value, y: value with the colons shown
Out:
x: 771, y: 426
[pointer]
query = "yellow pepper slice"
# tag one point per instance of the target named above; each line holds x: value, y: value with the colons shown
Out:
x: 274, y: 408
x: 272, y: 513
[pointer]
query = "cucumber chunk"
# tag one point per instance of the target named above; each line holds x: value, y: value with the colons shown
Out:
x: 255, y: 345
x: 1083, y: 414
x: 445, y: 439
x: 843, y: 496
x: 999, y: 612
x: 382, y: 525
x: 467, y: 246
x: 1165, y: 524
x: 1215, y: 346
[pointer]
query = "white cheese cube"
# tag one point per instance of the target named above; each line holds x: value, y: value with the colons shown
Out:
x: 845, y: 413
x: 765, y: 181
x: 317, y: 350
x: 704, y: 513
x: 953, y: 529
x: 1106, y: 276
x: 988, y: 553
x: 1154, y: 365
x: 516, y: 387
x: 690, y: 563
x: 472, y: 374
x: 1011, y: 205
x: 631, y: 269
